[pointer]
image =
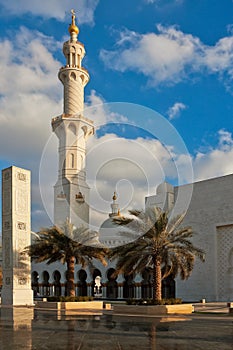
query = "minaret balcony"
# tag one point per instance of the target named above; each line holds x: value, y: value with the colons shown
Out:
x: 74, y: 74
x: 80, y: 198
x: 74, y: 67
x: 61, y: 196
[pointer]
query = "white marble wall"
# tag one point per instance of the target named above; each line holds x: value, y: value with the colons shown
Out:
x: 210, y: 213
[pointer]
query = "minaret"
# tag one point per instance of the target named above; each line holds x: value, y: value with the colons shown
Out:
x: 114, y: 206
x: 71, y: 192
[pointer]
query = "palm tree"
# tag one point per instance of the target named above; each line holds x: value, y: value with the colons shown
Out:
x: 68, y: 245
x: 161, y: 244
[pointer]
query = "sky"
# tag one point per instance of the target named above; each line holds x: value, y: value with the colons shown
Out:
x: 160, y: 94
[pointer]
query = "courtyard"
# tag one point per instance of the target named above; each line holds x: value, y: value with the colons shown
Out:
x: 209, y: 327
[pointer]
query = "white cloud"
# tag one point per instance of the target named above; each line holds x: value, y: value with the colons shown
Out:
x: 174, y: 111
x: 131, y: 167
x: 99, y: 111
x: 52, y: 9
x: 219, y: 58
x: 30, y: 94
x: 217, y: 161
x: 169, y: 56
x: 27, y: 63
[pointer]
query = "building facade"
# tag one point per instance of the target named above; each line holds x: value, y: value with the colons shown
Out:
x: 210, y: 214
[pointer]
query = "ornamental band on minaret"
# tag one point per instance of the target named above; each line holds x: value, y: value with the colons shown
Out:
x: 71, y: 192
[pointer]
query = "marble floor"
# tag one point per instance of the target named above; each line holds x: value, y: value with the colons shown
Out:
x: 38, y: 329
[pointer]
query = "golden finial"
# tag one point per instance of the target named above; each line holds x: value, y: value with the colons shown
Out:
x: 114, y: 196
x: 73, y: 27
x: 72, y: 11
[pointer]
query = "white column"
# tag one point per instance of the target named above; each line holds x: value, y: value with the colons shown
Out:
x: 104, y: 289
x: 63, y: 290
x: 89, y: 285
x: 75, y: 60
x: 120, y: 281
x: 40, y: 290
x: 120, y: 292
x: 138, y: 291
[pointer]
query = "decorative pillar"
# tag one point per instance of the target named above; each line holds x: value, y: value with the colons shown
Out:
x: 120, y: 290
x: 63, y: 289
x: 120, y: 283
x: 40, y: 289
x: 89, y: 289
x: 104, y: 290
x: 16, y: 236
x: 138, y: 293
x: 138, y: 286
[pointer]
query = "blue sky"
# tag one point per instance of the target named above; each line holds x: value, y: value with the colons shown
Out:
x: 172, y: 56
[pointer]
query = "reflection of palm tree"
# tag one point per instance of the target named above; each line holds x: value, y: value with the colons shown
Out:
x: 162, y: 243
x: 109, y: 322
x: 0, y: 277
x: 152, y: 335
x: 69, y: 245
x: 71, y: 344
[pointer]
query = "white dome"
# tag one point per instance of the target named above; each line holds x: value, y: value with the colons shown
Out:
x: 164, y: 187
x: 112, y: 235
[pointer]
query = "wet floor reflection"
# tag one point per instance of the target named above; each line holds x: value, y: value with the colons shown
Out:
x: 22, y: 328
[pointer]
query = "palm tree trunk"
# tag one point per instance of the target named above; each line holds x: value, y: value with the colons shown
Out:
x: 157, y: 279
x: 70, y: 276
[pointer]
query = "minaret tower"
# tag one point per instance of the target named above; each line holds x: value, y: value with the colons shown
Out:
x: 114, y: 206
x: 71, y: 192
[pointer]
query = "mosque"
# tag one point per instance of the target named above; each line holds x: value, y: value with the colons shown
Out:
x: 210, y: 210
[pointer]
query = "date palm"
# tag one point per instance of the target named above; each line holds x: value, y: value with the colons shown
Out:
x: 68, y: 245
x: 161, y: 244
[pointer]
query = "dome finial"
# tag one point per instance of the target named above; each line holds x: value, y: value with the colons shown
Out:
x: 73, y: 16
x: 73, y: 28
x: 114, y: 196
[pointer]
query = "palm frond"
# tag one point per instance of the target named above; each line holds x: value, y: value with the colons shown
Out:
x: 175, y: 222
x: 122, y: 220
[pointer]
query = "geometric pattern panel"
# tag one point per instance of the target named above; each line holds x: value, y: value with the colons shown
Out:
x: 224, y: 262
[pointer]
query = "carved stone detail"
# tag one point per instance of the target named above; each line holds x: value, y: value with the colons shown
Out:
x: 21, y: 201
x: 21, y: 176
x: 21, y: 226
x: 22, y: 280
